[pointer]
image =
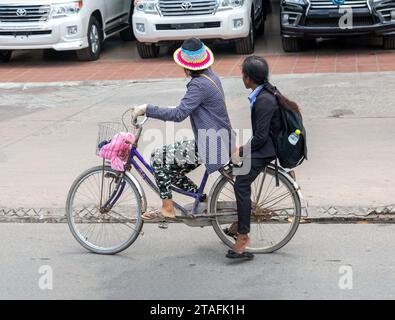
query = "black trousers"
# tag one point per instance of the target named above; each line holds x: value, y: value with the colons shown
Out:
x: 242, y: 189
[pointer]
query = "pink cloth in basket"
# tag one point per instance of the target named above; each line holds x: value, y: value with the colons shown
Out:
x: 118, y: 150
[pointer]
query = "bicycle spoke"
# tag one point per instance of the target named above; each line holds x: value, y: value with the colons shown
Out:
x: 98, y: 229
x: 272, y: 192
x: 281, y: 197
x: 274, y: 216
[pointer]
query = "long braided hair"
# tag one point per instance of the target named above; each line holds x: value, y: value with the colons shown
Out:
x: 257, y: 69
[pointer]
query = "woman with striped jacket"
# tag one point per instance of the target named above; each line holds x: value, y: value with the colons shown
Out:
x: 204, y: 104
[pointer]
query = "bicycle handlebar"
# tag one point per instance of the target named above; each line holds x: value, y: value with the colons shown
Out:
x: 137, y: 125
x: 134, y: 121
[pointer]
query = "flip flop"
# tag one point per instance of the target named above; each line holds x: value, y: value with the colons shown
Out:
x: 156, y: 216
x: 234, y: 255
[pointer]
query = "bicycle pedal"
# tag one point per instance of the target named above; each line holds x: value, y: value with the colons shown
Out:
x: 163, y: 225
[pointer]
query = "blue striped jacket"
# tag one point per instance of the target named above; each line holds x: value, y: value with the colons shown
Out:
x: 204, y: 104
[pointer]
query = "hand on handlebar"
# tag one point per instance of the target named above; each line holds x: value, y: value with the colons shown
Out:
x: 139, y: 111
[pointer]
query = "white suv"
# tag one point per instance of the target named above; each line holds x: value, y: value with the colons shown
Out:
x: 62, y: 25
x: 156, y: 22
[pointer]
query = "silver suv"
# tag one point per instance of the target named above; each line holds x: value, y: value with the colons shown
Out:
x: 62, y: 25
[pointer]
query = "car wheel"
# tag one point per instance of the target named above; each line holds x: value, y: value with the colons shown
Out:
x: 389, y: 43
x: 5, y: 55
x: 247, y: 44
x: 291, y: 44
x: 93, y: 51
x: 147, y: 51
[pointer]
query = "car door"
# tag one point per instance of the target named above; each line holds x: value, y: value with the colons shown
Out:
x: 115, y: 13
x: 127, y: 8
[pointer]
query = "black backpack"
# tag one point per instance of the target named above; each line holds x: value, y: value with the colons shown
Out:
x: 289, y: 156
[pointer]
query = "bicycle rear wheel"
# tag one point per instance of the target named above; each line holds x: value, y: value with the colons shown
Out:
x: 275, y: 214
x: 104, y: 211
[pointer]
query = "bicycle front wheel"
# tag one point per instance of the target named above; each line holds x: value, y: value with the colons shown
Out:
x: 275, y: 213
x: 104, y: 211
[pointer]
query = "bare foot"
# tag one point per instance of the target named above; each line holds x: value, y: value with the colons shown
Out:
x: 168, y: 213
x: 241, y: 244
x: 157, y: 214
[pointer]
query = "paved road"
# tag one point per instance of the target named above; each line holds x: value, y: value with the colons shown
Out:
x: 183, y: 263
x: 48, y: 135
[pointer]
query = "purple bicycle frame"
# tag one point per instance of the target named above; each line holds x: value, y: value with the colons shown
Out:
x: 197, y: 196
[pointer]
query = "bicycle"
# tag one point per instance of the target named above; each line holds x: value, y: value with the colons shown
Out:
x: 104, y: 207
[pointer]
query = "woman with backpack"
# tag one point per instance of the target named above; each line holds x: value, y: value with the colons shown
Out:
x: 265, y: 104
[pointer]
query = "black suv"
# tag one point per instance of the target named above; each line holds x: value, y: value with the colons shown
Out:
x: 310, y: 19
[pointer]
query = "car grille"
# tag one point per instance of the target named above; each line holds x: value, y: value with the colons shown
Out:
x: 328, y: 4
x: 334, y: 22
x: 384, y: 10
x: 188, y: 7
x: 24, y: 13
x: 186, y: 26
x: 25, y: 33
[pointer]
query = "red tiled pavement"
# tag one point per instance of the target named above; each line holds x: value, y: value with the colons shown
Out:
x: 165, y: 68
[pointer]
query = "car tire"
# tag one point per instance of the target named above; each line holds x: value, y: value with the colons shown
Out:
x: 247, y: 44
x: 95, y: 36
x: 147, y: 51
x: 291, y: 44
x: 389, y: 43
x: 5, y: 55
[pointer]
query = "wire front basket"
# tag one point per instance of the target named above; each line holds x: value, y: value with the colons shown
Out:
x: 121, y: 144
x: 107, y: 130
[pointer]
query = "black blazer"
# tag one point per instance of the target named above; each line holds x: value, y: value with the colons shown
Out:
x: 265, y: 120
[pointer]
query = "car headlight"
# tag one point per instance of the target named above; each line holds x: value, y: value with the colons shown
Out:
x: 300, y: 2
x: 230, y: 4
x: 146, y: 6
x: 66, y: 9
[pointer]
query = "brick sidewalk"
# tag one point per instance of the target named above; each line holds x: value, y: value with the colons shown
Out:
x: 164, y: 68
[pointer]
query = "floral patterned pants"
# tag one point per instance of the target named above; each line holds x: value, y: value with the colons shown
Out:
x: 170, y: 165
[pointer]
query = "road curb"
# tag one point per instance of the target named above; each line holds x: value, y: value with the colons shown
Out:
x: 315, y: 214
x: 71, y: 83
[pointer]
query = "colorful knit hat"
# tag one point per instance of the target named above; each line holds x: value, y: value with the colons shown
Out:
x: 194, y: 55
